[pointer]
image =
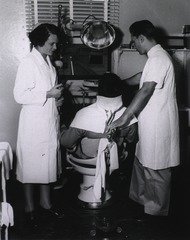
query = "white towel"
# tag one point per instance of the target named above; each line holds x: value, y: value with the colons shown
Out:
x: 6, y: 157
x: 7, y: 217
x: 101, y: 165
x: 93, y: 117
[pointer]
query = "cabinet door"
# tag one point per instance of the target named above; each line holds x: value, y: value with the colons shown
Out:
x: 187, y: 65
x: 181, y: 60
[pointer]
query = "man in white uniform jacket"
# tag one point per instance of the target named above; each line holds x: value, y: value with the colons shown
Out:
x: 155, y: 106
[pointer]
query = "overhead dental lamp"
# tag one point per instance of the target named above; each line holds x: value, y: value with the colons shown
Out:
x: 97, y: 34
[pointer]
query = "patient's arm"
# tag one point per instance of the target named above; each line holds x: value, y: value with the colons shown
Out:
x: 70, y: 137
x: 95, y: 135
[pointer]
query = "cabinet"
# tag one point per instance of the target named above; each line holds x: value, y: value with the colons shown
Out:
x: 181, y: 60
x: 81, y: 62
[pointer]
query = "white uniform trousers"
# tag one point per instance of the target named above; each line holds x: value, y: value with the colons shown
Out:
x: 151, y: 188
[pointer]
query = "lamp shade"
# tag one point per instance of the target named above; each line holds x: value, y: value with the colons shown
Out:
x: 97, y: 34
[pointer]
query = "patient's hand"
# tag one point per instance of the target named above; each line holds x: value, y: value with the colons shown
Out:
x: 110, y: 134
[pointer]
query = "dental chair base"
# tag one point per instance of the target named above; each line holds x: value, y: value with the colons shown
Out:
x: 86, y: 197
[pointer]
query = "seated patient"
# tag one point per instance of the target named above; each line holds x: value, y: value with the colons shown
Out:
x: 90, y: 122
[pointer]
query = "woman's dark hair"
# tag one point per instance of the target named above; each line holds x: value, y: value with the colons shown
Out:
x: 110, y: 85
x: 145, y: 28
x: 40, y: 34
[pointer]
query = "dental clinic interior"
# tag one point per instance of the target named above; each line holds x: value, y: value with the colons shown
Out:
x: 79, y: 65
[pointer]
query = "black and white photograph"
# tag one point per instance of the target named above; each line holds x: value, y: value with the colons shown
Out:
x: 94, y: 119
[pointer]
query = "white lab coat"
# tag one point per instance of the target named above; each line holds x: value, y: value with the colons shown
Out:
x: 39, y: 121
x: 158, y: 146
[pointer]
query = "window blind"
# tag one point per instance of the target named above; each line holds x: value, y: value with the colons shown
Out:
x: 39, y: 11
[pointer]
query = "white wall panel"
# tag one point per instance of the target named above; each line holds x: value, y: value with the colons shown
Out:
x: 14, y: 47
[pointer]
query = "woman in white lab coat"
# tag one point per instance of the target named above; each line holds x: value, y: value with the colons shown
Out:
x: 37, y: 144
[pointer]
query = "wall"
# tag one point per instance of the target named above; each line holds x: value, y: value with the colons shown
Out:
x: 168, y: 14
x: 14, y: 46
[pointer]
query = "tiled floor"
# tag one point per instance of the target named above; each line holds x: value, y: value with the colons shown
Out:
x: 122, y: 220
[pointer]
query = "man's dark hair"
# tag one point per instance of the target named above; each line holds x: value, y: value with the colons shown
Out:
x: 145, y: 28
x: 40, y: 34
x: 110, y: 85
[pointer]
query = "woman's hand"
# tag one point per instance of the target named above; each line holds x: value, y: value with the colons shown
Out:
x: 55, y: 92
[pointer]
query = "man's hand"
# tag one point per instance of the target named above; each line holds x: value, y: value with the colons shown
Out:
x: 121, y: 122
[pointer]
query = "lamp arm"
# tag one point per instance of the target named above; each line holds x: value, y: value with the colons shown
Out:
x: 88, y: 18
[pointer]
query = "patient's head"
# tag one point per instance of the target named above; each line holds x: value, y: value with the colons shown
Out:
x: 110, y: 85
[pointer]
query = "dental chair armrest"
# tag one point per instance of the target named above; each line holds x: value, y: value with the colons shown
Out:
x: 72, y: 149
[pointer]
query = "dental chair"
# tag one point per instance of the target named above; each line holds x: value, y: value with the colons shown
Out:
x: 95, y: 166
